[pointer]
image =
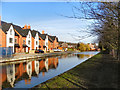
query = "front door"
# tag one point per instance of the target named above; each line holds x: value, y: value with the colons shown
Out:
x: 24, y: 49
x: 28, y: 49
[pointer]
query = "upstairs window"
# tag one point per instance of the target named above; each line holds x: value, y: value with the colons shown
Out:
x: 29, y: 42
x: 15, y: 41
x: 29, y: 35
x: 23, y: 41
x: 36, y: 43
x: 46, y: 43
x: 10, y: 31
x: 11, y: 40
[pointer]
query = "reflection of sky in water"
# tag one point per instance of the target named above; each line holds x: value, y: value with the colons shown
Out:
x: 65, y: 63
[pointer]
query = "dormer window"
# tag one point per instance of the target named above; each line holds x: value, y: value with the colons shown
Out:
x: 10, y: 31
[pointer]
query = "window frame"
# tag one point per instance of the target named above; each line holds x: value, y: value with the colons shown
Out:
x: 15, y: 40
x: 10, y: 31
x: 28, y: 42
x: 10, y: 40
x: 23, y: 41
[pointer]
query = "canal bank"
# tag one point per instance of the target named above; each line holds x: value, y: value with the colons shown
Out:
x: 21, y: 57
x: 100, y: 71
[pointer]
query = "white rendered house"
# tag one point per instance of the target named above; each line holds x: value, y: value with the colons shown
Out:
x: 36, y: 41
x: 10, y: 37
x: 29, y: 41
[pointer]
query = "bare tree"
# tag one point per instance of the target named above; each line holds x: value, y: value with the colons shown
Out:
x: 106, y: 22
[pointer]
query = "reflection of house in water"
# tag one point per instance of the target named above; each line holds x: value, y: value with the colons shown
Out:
x: 49, y: 63
x: 11, y: 74
x: 25, y: 70
x: 46, y: 64
x: 37, y: 67
x: 29, y: 69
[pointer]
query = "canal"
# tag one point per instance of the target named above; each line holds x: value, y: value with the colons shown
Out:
x: 31, y: 73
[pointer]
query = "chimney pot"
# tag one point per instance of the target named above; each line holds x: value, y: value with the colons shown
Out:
x: 25, y: 27
x: 28, y: 27
x: 42, y: 31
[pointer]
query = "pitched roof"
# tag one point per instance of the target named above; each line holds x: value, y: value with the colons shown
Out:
x: 43, y: 36
x: 52, y: 37
x: 5, y: 26
x: 19, y: 30
x: 34, y: 33
x: 16, y: 34
x: 25, y: 32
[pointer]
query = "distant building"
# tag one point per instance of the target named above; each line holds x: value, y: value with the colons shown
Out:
x: 64, y: 45
x: 93, y: 46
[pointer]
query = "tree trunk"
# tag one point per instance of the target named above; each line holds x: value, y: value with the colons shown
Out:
x: 118, y: 51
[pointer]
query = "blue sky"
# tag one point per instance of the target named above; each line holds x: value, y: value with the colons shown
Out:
x: 47, y: 16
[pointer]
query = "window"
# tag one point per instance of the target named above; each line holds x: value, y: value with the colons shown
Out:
x: 10, y: 40
x: 29, y: 42
x: 46, y: 43
x: 36, y: 42
x: 23, y: 41
x: 10, y: 31
x: 29, y: 35
x: 15, y: 40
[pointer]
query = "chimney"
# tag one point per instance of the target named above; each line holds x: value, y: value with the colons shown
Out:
x: 42, y: 31
x: 25, y: 27
x: 28, y: 27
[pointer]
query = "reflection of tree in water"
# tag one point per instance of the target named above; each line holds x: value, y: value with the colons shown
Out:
x: 83, y: 55
x: 66, y: 56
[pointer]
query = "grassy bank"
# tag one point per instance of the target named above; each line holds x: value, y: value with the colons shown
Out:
x: 100, y: 71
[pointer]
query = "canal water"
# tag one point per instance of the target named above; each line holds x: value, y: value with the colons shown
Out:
x: 31, y: 73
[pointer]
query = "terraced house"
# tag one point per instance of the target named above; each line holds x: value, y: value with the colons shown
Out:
x: 24, y: 39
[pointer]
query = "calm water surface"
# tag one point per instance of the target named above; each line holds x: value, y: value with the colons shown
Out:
x: 31, y: 73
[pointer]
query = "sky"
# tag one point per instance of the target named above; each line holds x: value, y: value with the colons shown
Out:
x: 48, y: 16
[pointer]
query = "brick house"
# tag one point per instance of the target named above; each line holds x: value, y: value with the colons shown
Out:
x: 8, y: 35
x: 24, y: 39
